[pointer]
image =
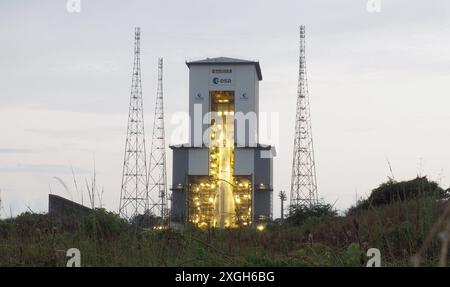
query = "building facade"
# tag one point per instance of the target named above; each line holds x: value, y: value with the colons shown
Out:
x: 223, y: 176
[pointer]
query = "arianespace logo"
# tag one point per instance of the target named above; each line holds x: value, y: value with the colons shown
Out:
x: 218, y: 81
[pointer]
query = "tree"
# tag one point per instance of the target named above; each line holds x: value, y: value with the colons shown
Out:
x: 392, y: 191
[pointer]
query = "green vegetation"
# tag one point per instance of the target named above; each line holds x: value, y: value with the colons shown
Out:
x: 397, y: 218
x: 391, y: 192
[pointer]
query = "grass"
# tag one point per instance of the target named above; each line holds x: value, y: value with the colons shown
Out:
x: 400, y: 230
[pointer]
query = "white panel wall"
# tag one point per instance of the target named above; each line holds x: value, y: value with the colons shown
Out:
x: 199, y: 161
x: 245, y: 99
x: 243, y: 161
x: 243, y: 81
x: 198, y: 98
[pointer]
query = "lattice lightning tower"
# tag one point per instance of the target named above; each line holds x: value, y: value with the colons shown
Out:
x: 303, y: 182
x: 134, y: 192
x: 157, y: 164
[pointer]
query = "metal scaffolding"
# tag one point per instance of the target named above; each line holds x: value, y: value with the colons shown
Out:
x: 303, y: 182
x: 134, y: 190
x: 157, y: 164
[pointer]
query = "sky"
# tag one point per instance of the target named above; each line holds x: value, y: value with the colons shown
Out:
x: 378, y: 83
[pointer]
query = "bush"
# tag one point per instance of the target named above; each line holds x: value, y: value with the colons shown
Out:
x: 28, y: 225
x: 299, y: 214
x: 147, y: 220
x: 391, y: 191
x: 5, y: 228
x: 352, y: 256
x: 104, y: 224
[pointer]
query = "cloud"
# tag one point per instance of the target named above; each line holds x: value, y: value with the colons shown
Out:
x: 95, y: 133
x: 42, y: 168
x: 104, y: 67
x: 15, y: 150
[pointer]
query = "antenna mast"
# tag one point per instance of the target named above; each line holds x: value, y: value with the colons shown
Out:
x: 134, y: 192
x: 157, y: 163
x: 303, y: 182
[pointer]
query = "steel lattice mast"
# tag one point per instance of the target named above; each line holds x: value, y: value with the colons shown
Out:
x: 157, y: 164
x: 303, y: 182
x: 134, y: 192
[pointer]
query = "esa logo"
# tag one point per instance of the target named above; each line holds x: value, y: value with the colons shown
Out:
x: 217, y: 81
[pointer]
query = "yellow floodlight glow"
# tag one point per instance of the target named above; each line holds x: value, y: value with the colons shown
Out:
x: 223, y: 196
x: 260, y: 227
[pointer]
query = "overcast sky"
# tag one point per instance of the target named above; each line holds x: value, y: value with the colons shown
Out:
x: 379, y: 87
